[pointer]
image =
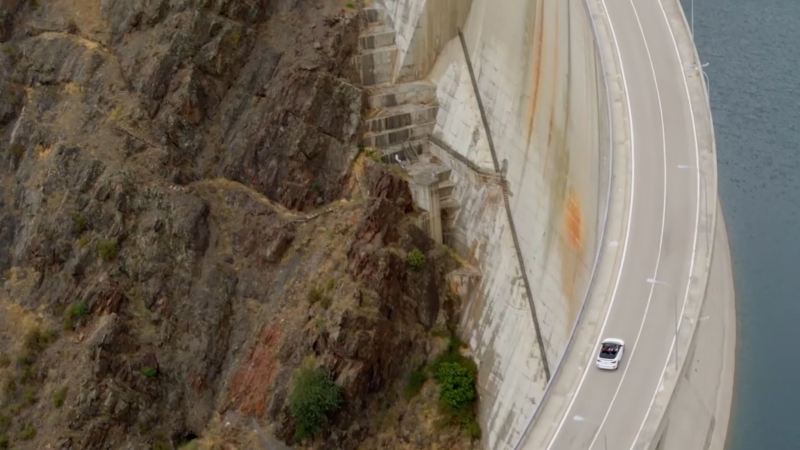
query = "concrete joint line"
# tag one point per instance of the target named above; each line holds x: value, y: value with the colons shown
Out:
x: 507, y: 204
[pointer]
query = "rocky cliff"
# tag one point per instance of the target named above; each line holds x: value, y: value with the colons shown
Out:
x: 185, y: 220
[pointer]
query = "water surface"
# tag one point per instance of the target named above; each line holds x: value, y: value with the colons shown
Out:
x: 753, y: 47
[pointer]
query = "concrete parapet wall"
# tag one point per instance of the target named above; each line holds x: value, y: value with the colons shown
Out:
x: 539, y: 78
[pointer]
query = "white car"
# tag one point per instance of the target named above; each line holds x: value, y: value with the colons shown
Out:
x: 611, y: 350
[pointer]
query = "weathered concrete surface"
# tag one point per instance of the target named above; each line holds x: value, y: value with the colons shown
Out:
x: 539, y: 77
x: 423, y: 28
x: 537, y: 74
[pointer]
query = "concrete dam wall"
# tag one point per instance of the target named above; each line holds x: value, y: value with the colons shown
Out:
x: 538, y: 79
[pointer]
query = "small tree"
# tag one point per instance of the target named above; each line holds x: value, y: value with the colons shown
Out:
x: 457, y: 385
x: 313, y: 399
x: 415, y: 259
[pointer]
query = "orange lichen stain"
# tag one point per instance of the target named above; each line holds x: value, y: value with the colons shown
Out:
x: 573, y: 221
x: 250, y: 387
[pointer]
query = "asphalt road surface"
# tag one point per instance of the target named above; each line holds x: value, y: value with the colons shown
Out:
x: 608, y: 408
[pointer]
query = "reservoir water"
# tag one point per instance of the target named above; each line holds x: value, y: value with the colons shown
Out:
x: 753, y: 47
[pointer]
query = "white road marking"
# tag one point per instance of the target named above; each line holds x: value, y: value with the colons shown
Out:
x: 696, y: 227
x: 661, y: 233
x: 625, y: 242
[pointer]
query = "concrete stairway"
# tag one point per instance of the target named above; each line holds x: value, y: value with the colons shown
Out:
x: 399, y: 119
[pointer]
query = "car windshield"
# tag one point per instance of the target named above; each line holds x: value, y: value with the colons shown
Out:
x: 609, y: 351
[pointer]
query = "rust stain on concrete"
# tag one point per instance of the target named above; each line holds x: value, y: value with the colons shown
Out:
x: 573, y: 221
x: 536, y: 67
x: 573, y: 248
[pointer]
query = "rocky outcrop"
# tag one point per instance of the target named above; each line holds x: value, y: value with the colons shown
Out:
x: 184, y: 204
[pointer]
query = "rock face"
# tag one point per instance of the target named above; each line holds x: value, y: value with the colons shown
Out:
x: 183, y: 202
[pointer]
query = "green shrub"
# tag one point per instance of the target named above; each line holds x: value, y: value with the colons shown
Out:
x: 457, y: 385
x: 80, y: 223
x: 314, y: 295
x: 150, y: 372
x: 34, y: 343
x: 318, y: 295
x: 83, y: 241
x: 3, y: 441
x: 472, y: 428
x: 107, y: 249
x: 29, y: 396
x: 414, y: 383
x: 5, y: 423
x: 27, y: 433
x: 415, y: 259
x: 75, y: 312
x: 59, y: 396
x: 190, y: 445
x: 313, y: 399
x: 456, y: 375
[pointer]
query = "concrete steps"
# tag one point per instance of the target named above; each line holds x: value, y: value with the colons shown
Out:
x: 419, y: 92
x: 372, y: 15
x: 410, y: 149
x: 401, y: 116
x: 377, y: 36
x: 446, y: 189
x: 399, y: 121
x: 397, y: 136
x: 376, y: 66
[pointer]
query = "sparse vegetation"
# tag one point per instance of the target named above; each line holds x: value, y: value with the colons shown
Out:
x: 107, y: 249
x: 316, y: 186
x: 29, y: 396
x: 74, y: 313
x: 373, y: 154
x: 28, y: 432
x: 319, y: 295
x: 35, y: 342
x: 350, y: 5
x: 191, y: 445
x: 314, y: 295
x: 150, y: 372
x: 5, y: 361
x: 414, y: 384
x: 16, y: 150
x: 415, y: 259
x: 83, y: 241
x: 9, y: 50
x: 59, y: 396
x: 456, y: 375
x: 80, y: 223
x: 313, y: 399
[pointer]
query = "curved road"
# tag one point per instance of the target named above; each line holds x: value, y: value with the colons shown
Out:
x: 608, y: 409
